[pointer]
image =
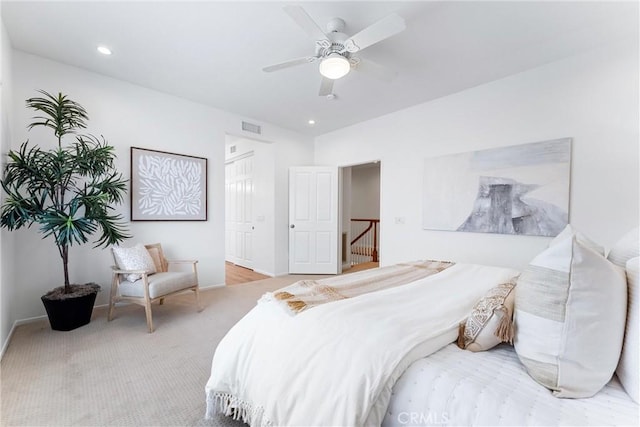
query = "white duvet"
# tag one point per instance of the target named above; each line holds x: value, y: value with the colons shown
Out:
x: 336, y: 364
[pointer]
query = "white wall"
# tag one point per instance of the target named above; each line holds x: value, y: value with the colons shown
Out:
x: 7, y: 290
x: 129, y: 115
x: 365, y: 187
x: 592, y: 98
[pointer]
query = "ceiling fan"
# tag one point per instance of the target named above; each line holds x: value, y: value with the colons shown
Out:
x: 335, y: 49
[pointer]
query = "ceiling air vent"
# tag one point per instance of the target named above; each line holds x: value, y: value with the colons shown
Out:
x: 250, y: 127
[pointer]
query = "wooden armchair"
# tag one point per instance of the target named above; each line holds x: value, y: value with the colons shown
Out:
x: 151, y: 287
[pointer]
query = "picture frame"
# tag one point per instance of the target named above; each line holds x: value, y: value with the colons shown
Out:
x: 167, y: 186
x: 519, y: 189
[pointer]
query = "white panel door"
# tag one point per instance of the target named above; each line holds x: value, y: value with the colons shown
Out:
x: 239, y: 211
x: 313, y: 220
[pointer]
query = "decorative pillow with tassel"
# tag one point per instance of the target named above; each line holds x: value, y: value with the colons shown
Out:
x: 490, y: 321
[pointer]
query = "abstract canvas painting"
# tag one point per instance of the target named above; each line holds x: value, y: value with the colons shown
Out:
x: 167, y: 186
x: 520, y: 189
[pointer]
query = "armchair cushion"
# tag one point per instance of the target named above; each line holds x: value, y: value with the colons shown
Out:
x: 159, y: 284
x: 134, y: 258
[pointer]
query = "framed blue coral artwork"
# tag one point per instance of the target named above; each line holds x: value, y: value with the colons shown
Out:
x: 520, y: 189
x: 167, y: 186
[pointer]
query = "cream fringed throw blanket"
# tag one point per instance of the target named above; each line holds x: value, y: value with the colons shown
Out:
x: 336, y: 364
x: 306, y: 294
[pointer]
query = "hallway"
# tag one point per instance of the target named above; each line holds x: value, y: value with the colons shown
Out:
x: 234, y: 274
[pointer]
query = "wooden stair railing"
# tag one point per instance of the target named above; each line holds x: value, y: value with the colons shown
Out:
x: 364, y: 248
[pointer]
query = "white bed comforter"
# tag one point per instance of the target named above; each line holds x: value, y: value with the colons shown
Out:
x: 336, y: 364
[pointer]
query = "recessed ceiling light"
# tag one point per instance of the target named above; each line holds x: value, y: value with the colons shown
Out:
x: 311, y: 122
x: 104, y: 50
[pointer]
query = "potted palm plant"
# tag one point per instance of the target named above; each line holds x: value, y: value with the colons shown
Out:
x: 68, y: 191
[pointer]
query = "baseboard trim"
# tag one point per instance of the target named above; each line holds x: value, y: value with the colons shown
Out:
x: 17, y: 323
x: 5, y: 344
x: 219, y: 285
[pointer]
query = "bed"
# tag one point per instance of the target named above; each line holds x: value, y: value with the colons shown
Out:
x: 491, y: 388
x: 369, y: 349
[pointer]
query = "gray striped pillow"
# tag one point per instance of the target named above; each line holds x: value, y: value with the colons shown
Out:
x: 569, y: 318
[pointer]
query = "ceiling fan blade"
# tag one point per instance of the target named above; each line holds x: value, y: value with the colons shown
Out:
x: 376, y: 70
x: 291, y: 63
x: 384, y: 28
x: 305, y: 22
x: 326, y: 87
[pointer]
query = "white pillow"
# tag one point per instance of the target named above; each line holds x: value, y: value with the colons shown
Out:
x: 134, y: 258
x: 569, y: 318
x: 629, y: 367
x: 625, y: 248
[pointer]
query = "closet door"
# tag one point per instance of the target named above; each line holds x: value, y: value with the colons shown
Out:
x: 239, y: 226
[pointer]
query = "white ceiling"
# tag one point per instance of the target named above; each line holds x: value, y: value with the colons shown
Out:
x: 214, y: 52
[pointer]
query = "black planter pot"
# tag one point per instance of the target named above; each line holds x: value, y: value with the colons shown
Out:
x: 69, y: 313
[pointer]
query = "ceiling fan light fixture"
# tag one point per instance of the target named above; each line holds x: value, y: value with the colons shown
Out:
x: 104, y: 50
x: 334, y: 66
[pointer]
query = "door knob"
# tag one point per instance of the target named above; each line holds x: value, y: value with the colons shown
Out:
x: 293, y: 226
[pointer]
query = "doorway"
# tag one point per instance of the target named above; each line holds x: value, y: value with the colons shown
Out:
x: 361, y: 216
x: 249, y: 209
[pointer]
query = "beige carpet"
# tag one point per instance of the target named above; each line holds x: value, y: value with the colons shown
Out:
x: 115, y: 373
